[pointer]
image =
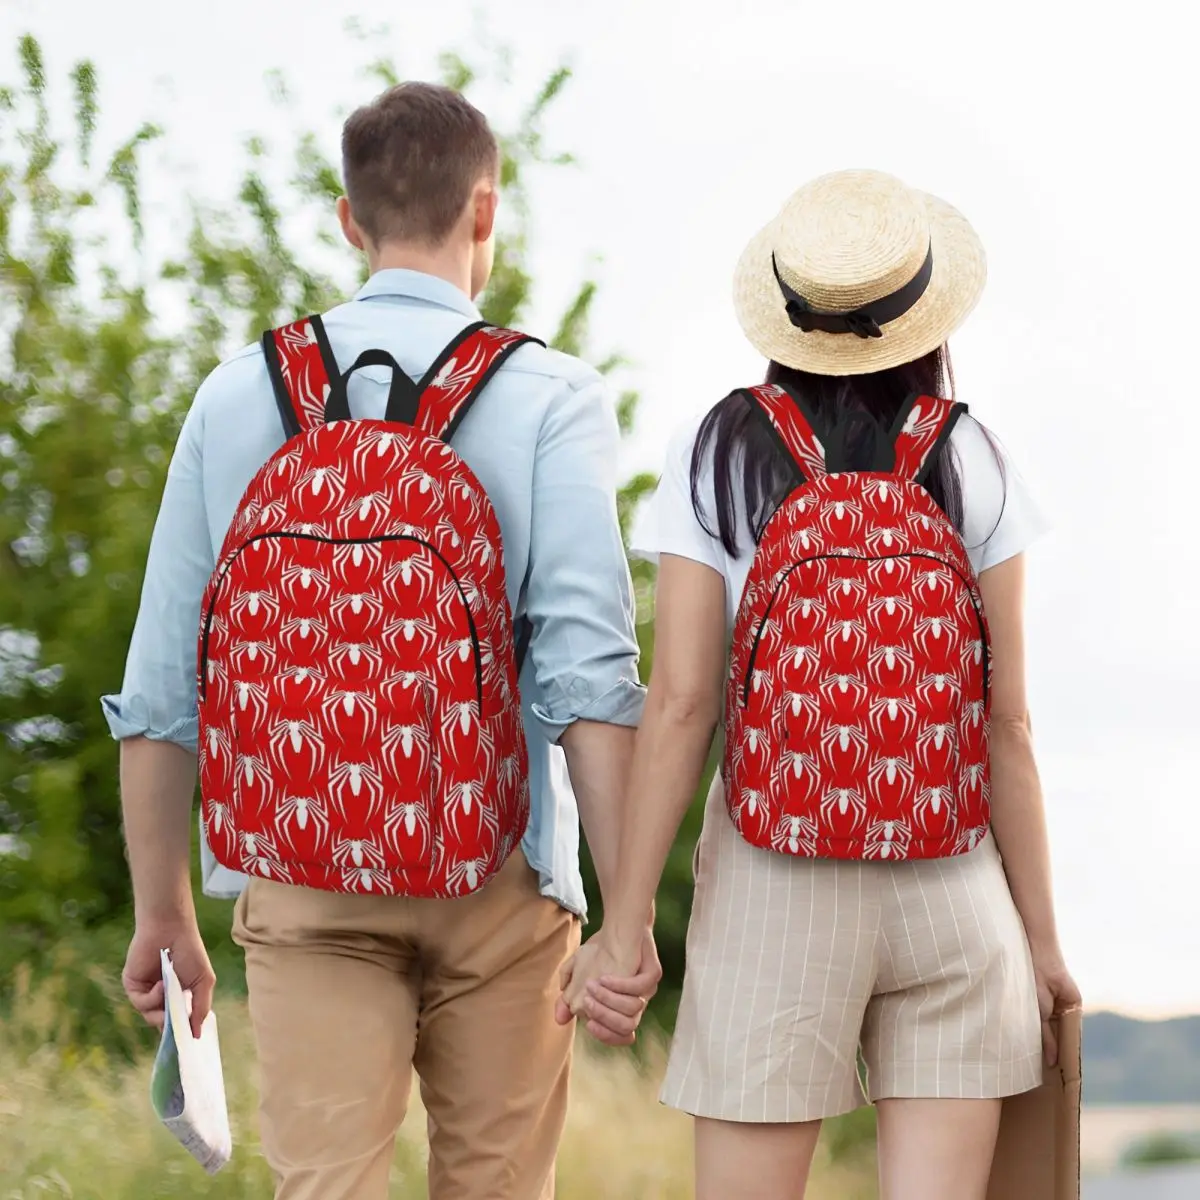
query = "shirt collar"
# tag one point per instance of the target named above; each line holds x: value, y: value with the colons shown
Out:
x: 416, y: 285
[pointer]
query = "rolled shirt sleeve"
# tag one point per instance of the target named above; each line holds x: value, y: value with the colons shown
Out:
x: 579, y: 595
x: 158, y: 695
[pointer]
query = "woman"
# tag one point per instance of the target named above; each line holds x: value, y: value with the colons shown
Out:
x: 922, y: 934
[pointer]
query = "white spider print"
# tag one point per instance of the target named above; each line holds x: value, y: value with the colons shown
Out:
x: 844, y: 513
x: 252, y: 603
x: 762, y: 681
x: 466, y: 873
x: 888, y: 660
x: 843, y: 802
x: 305, y: 681
x: 219, y: 816
x: 846, y: 586
x: 798, y: 702
x: 368, y: 506
x: 938, y: 684
x: 751, y: 803
x: 972, y: 776
x: 303, y: 633
x: 301, y: 811
x: 887, y: 839
x: 483, y: 549
x: 406, y: 742
x: 326, y: 483
x: 920, y: 423
x: 805, y: 542
x: 368, y: 879
x: 932, y: 802
x: 289, y: 739
x: 968, y: 839
x: 887, y: 540
x: 258, y: 845
x: 416, y: 478
x: 880, y: 608
x: 456, y: 378
x: 251, y: 698
x: 450, y: 602
x: 803, y: 659
x: 972, y: 652
x: 843, y: 684
x: 375, y: 444
x: 795, y: 835
x: 448, y: 531
x: 886, y: 711
x: 849, y: 740
x: 462, y: 800
x: 935, y: 579
x: 301, y: 580
x: 349, y: 560
x: 253, y: 654
x: 217, y: 743
x: 356, y: 853
x: 974, y: 711
x: 414, y: 573
x: 508, y: 770
x: 351, y: 705
x: 353, y: 655
x: 803, y: 608
x: 407, y: 821
x: 356, y: 781
x: 889, y: 770
x: 933, y: 739
x: 797, y: 762
x: 935, y: 631
x: 415, y: 632
x: 400, y: 681
x: 358, y: 604
x: 850, y: 633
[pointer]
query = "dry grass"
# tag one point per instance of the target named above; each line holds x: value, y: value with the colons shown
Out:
x: 73, y: 1125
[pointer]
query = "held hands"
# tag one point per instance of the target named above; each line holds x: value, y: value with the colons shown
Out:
x: 609, y: 988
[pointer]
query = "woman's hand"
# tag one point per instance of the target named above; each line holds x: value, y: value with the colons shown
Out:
x: 1056, y: 991
x: 609, y: 987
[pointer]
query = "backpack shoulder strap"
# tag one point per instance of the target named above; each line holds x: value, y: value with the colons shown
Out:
x: 792, y: 426
x: 461, y: 372
x: 922, y: 428
x: 303, y: 371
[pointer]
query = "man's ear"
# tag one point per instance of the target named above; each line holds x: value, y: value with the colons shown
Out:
x: 350, y: 229
x: 487, y: 198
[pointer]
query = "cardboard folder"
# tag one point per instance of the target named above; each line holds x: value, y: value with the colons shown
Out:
x: 1037, y: 1153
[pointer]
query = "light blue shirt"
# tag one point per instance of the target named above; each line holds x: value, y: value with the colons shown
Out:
x: 543, y: 440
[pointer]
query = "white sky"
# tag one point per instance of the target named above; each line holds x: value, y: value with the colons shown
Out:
x: 1067, y: 136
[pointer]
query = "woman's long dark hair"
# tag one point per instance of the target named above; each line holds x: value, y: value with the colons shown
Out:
x: 853, y: 412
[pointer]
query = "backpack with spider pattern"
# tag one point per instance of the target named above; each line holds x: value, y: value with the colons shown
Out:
x: 856, y: 709
x: 360, y: 726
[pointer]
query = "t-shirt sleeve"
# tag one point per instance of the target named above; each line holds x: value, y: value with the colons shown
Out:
x: 666, y: 522
x: 1001, y: 519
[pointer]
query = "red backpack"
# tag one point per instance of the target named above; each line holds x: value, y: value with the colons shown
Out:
x: 360, y: 727
x: 856, y: 712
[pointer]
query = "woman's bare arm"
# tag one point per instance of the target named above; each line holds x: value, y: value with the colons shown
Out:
x: 1018, y: 814
x: 683, y: 707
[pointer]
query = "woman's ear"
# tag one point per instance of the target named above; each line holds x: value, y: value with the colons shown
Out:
x: 350, y: 229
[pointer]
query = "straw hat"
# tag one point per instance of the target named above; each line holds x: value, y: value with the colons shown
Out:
x: 857, y: 273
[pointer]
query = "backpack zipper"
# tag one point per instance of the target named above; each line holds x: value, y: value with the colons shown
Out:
x: 313, y: 537
x: 865, y: 558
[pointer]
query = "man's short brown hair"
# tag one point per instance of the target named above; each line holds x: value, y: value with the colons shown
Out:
x: 410, y: 159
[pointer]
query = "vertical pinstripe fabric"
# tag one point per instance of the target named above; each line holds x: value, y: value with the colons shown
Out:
x: 792, y: 963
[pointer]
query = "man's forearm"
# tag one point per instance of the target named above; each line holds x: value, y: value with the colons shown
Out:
x: 598, y: 759
x: 157, y: 782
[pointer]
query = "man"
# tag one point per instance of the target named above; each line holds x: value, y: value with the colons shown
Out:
x: 348, y: 993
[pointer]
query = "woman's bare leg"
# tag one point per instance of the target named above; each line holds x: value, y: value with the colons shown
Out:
x: 936, y: 1149
x: 753, y: 1161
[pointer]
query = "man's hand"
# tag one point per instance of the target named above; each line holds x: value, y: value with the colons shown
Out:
x: 142, y: 977
x: 609, y: 989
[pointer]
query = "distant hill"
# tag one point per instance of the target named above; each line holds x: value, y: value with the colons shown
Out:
x: 1127, y: 1061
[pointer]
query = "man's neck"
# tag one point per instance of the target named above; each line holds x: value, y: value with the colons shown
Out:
x: 451, y: 263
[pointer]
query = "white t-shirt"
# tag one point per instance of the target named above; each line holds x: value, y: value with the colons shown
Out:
x: 1000, y: 518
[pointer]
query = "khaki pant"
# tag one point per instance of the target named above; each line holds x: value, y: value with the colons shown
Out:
x: 348, y: 993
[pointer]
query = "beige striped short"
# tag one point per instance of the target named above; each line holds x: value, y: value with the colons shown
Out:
x: 795, y: 965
